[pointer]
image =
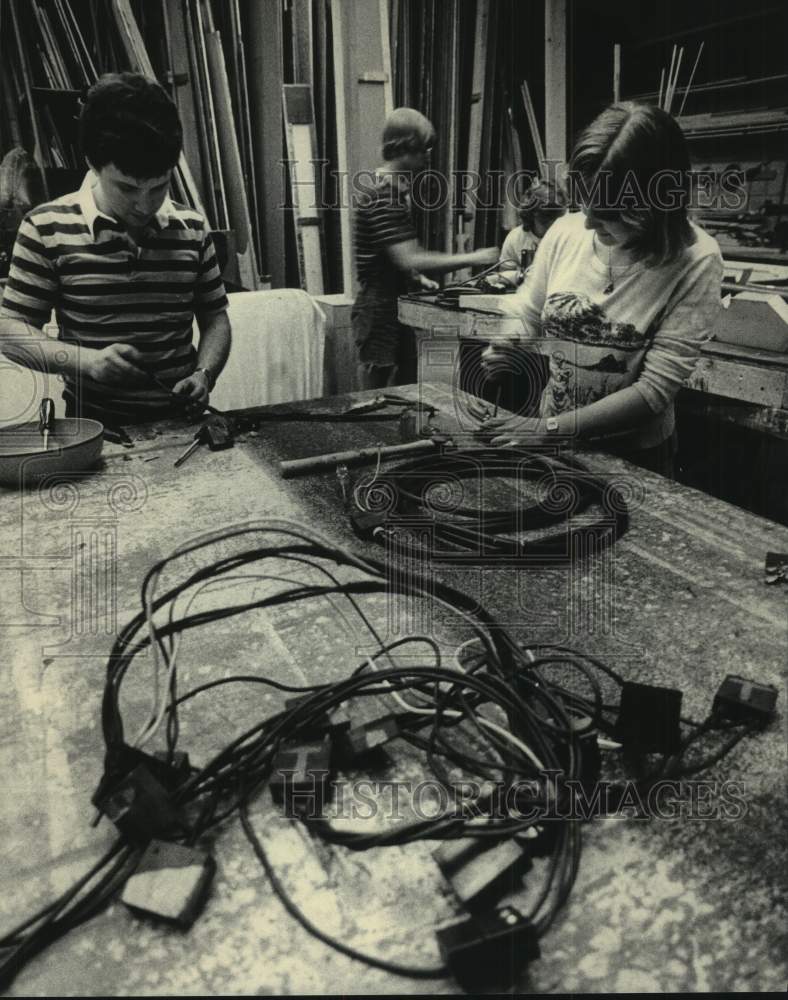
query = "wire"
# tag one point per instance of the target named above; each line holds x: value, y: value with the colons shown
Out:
x: 414, y: 972
x: 505, y: 715
x: 569, y: 489
x: 453, y: 714
x: 149, y: 730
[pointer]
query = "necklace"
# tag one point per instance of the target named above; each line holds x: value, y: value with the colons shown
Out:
x: 624, y: 268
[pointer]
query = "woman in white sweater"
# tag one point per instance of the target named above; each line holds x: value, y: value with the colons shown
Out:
x: 621, y: 296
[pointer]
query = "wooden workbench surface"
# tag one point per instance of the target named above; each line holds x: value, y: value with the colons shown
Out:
x: 683, y: 904
x: 735, y: 372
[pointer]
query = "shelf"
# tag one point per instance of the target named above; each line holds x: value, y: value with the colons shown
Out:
x: 751, y: 15
x: 734, y: 252
x: 729, y: 83
x: 734, y: 123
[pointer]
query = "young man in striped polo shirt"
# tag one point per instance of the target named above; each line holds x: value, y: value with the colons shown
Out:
x: 126, y: 270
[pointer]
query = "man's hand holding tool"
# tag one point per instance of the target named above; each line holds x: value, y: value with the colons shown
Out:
x: 191, y: 403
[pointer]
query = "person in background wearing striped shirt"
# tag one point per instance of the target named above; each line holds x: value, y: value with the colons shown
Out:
x: 388, y: 255
x: 126, y: 269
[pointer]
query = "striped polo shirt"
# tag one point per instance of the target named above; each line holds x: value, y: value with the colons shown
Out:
x: 382, y: 219
x: 106, y: 288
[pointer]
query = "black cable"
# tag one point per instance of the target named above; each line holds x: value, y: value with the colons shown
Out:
x: 405, y: 493
x: 55, y: 919
x: 455, y: 706
x: 414, y: 972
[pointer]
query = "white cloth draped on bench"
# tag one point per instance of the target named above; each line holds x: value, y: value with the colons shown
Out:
x: 277, y: 352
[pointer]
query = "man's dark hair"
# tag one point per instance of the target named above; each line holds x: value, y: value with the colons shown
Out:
x: 130, y: 121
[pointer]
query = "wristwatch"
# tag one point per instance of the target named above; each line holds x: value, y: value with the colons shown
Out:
x: 208, y: 375
x: 551, y: 425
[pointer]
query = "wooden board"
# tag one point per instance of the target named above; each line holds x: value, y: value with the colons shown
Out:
x: 481, y: 234
x: 264, y: 36
x: 237, y: 204
x: 555, y: 70
x: 204, y: 122
x: 362, y: 88
x: 749, y: 383
x: 244, y: 113
x: 303, y: 44
x: 450, y: 139
x: 299, y: 119
x: 209, y: 113
x: 342, y: 104
x: 340, y: 355
x: 183, y: 87
x: 477, y: 102
x: 39, y: 150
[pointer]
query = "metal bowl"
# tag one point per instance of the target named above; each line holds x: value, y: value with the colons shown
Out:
x: 74, y: 446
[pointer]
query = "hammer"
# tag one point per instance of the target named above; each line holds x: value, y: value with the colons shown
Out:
x: 362, y: 456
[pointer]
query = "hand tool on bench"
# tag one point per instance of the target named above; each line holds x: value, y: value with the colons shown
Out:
x: 362, y: 456
x: 46, y: 420
x: 117, y: 435
x: 380, y: 402
x: 215, y: 432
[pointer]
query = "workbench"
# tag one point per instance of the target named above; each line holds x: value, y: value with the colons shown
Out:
x: 673, y: 905
x: 734, y: 372
x: 733, y: 387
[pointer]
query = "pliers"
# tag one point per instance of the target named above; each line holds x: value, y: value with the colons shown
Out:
x: 386, y: 399
x: 480, y: 411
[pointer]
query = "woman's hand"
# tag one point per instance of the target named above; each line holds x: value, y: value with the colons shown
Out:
x: 520, y: 432
x: 496, y: 430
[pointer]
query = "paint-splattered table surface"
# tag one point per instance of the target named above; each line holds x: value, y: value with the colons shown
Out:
x: 690, y: 903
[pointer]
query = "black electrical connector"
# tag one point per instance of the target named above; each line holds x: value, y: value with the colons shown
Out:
x: 490, y: 950
x: 334, y: 723
x: 170, y: 882
x: 366, y: 523
x: 169, y: 770
x: 586, y: 744
x: 480, y: 874
x: 741, y: 700
x: 453, y: 854
x: 370, y: 737
x: 301, y: 778
x: 649, y: 718
x: 141, y: 808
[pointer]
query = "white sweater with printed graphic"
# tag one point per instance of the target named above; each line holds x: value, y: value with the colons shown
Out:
x: 646, y: 332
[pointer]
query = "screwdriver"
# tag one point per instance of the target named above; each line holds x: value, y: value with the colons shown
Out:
x: 46, y: 420
x: 215, y: 432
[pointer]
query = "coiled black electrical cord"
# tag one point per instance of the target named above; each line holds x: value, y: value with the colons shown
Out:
x: 426, y: 495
